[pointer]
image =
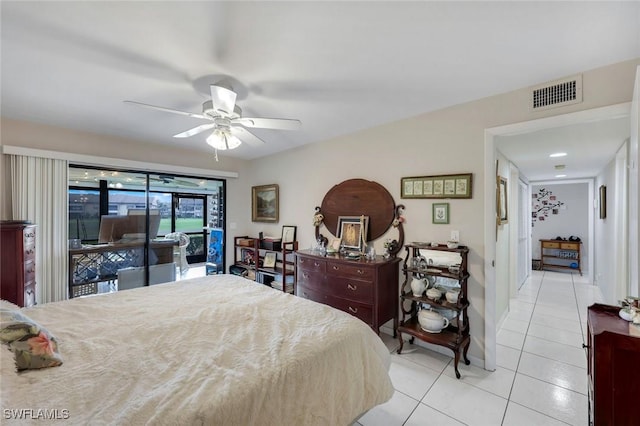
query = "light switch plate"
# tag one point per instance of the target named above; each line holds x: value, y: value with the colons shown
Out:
x: 455, y: 236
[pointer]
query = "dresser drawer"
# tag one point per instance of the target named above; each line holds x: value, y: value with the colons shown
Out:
x: 570, y: 246
x: 29, y: 271
x: 308, y: 264
x: 346, y: 270
x: 349, y: 288
x: 359, y: 310
x: 30, y: 252
x: 307, y: 293
x: 312, y: 280
x: 550, y: 245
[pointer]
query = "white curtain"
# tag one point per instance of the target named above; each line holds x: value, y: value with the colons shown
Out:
x: 39, y: 193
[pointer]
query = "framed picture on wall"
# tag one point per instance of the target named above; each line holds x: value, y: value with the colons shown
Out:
x: 602, y: 199
x: 264, y: 203
x: 440, y: 213
x: 501, y: 200
x: 439, y: 186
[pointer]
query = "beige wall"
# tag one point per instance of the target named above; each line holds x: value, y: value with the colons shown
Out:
x: 445, y: 141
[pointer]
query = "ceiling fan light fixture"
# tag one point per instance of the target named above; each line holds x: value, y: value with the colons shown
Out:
x: 222, y: 140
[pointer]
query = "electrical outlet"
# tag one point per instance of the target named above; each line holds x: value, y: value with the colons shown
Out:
x: 455, y: 236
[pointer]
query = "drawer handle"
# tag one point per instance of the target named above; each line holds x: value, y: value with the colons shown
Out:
x: 585, y: 346
x: 305, y: 275
x: 352, y: 287
x: 360, y: 271
x: 335, y: 268
x: 316, y: 264
x: 353, y: 310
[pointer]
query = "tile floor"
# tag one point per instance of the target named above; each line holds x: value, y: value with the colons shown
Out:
x: 540, y: 379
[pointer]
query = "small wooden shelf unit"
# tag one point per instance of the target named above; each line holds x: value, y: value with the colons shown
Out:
x: 560, y: 254
x: 456, y: 336
x: 285, y: 261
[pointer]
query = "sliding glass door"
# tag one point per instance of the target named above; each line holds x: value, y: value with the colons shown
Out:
x: 119, y: 221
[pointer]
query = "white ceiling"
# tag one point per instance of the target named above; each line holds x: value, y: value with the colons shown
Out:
x: 589, y: 146
x: 337, y: 66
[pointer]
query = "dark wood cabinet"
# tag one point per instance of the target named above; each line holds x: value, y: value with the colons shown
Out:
x: 366, y: 289
x: 18, y: 262
x: 613, y: 365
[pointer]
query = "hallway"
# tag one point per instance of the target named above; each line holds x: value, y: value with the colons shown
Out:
x: 541, y: 377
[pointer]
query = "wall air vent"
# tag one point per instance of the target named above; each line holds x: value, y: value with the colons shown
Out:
x: 557, y: 93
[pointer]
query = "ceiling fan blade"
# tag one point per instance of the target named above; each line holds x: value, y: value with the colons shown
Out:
x: 186, y: 183
x: 195, y: 130
x: 269, y: 123
x: 224, y: 100
x: 246, y: 136
x: 173, y: 111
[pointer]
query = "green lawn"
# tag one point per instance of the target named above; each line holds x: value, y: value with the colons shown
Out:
x: 92, y: 226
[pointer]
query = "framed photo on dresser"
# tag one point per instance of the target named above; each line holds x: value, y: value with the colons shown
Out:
x: 352, y: 230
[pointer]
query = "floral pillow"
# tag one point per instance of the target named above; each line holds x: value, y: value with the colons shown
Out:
x: 33, y: 346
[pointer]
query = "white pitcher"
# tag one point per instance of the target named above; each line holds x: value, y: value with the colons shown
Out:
x: 418, y: 286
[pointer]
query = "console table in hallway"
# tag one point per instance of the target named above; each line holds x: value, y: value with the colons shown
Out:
x: 560, y: 254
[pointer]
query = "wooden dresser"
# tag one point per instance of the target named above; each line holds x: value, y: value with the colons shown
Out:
x: 18, y: 262
x: 613, y: 364
x: 366, y: 289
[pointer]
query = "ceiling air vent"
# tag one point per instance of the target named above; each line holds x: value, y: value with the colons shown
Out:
x: 557, y: 93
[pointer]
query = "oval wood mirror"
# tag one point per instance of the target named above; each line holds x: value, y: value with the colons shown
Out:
x: 356, y: 197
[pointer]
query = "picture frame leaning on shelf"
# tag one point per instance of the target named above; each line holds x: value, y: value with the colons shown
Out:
x: 269, y: 260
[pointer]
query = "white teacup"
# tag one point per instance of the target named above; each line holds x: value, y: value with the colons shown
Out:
x: 452, y: 296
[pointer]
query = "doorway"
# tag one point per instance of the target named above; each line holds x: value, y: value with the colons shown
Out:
x: 492, y: 267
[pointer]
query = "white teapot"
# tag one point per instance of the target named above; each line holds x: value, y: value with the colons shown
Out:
x: 418, y: 286
x: 431, y: 321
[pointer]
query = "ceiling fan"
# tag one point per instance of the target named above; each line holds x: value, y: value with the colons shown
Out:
x: 226, y: 120
x: 168, y: 180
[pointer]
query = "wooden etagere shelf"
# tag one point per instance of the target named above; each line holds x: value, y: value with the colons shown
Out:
x: 456, y: 335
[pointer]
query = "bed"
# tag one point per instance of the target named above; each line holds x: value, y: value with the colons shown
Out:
x: 212, y: 350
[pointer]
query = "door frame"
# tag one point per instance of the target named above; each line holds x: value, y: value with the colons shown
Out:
x: 176, y: 196
x: 490, y: 226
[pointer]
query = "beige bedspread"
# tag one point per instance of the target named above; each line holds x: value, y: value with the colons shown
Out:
x: 217, y: 350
